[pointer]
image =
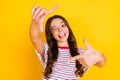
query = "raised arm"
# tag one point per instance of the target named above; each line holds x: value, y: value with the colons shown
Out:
x: 38, y: 15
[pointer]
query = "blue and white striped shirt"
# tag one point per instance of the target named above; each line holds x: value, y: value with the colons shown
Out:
x: 62, y: 69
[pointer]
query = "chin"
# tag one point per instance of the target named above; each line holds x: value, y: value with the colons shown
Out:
x: 63, y: 40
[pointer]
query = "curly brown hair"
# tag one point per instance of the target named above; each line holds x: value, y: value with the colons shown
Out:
x: 53, y: 47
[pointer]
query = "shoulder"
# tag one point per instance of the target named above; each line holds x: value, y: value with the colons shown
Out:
x: 81, y: 50
x: 45, y: 46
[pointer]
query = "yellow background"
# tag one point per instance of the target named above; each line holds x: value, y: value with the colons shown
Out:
x: 97, y: 20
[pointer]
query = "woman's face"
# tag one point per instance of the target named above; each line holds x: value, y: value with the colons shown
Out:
x: 59, y: 30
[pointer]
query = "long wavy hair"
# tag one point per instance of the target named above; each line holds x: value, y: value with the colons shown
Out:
x: 53, y: 48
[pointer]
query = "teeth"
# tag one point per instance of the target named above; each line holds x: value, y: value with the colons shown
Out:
x: 62, y: 35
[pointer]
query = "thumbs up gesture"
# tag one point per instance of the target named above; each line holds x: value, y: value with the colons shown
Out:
x: 89, y: 57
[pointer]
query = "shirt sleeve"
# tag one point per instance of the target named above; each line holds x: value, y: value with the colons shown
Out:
x: 80, y: 50
x: 43, y: 61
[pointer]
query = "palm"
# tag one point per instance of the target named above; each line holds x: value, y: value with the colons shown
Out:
x: 89, y: 57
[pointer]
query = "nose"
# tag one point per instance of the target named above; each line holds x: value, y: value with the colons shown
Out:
x: 60, y: 29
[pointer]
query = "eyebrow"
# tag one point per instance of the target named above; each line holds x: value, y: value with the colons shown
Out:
x: 52, y: 27
x: 55, y: 26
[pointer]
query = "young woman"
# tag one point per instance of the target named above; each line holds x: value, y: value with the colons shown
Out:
x: 61, y: 58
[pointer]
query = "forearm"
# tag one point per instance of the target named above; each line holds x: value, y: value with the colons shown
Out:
x: 34, y: 31
x: 35, y: 38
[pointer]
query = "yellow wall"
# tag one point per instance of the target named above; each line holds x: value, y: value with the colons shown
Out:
x: 97, y: 20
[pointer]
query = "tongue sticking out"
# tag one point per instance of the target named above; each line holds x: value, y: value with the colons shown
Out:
x: 62, y: 35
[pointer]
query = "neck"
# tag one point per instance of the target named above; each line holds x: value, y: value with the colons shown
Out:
x: 63, y: 43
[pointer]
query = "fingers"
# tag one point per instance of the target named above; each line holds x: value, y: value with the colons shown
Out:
x: 75, y: 58
x: 88, y: 46
x: 53, y: 9
x: 81, y: 60
x: 37, y: 12
x: 42, y: 13
x: 33, y: 9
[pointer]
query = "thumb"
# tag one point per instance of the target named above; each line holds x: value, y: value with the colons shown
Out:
x: 88, y: 46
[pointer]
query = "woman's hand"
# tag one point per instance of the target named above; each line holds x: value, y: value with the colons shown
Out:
x: 90, y: 57
x: 39, y: 13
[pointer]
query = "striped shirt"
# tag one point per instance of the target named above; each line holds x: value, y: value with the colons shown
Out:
x: 62, y: 69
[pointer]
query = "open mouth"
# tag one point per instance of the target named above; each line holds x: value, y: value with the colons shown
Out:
x: 62, y: 35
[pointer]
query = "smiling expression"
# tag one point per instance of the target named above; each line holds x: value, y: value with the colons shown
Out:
x: 59, y: 30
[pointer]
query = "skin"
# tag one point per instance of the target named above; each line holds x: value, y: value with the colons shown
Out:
x: 90, y: 57
x: 38, y: 16
x: 60, y: 33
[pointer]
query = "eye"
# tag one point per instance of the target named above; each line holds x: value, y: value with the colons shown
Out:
x: 63, y: 25
x: 54, y: 28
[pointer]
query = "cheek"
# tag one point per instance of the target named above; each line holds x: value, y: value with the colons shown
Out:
x: 54, y: 33
x: 67, y: 30
x: 67, y: 33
